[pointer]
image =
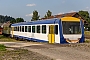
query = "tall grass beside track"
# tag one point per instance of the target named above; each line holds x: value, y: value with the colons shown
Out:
x: 6, y: 39
x: 2, y: 48
x: 87, y: 36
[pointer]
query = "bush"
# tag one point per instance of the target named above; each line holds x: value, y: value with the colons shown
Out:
x: 2, y: 47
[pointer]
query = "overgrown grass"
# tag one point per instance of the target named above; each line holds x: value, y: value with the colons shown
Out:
x: 87, y: 32
x: 6, y: 39
x: 87, y: 41
x: 2, y: 48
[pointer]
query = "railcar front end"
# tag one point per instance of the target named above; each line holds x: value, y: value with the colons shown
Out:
x: 73, y: 30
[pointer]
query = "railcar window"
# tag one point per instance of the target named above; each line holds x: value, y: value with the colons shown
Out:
x: 22, y: 28
x: 33, y: 29
x: 18, y: 28
x: 38, y: 29
x: 56, y: 29
x: 29, y: 28
x: 71, y: 28
x: 25, y: 28
x: 15, y: 28
x: 44, y: 29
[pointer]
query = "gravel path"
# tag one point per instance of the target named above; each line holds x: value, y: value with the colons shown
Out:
x: 57, y: 51
x: 62, y: 53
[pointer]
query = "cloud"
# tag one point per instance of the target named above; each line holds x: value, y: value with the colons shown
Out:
x: 31, y: 5
x: 72, y: 11
x: 60, y: 13
x: 30, y: 15
x: 65, y: 12
x: 87, y: 7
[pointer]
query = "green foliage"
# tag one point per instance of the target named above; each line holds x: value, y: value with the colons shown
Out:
x: 85, y: 15
x: 49, y: 13
x: 2, y: 47
x: 19, y: 20
x: 35, y: 16
x: 87, y: 41
x: 5, y: 18
x: 6, y: 39
x: 45, y: 16
x: 11, y: 19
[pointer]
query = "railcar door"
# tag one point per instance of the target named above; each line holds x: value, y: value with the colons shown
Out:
x: 51, y: 36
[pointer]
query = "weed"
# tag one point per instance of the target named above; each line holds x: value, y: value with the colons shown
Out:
x: 2, y: 47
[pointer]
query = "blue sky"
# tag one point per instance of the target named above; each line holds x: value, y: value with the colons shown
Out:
x: 24, y: 8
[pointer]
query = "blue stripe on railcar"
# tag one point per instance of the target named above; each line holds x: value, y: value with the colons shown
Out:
x: 51, y: 21
x: 33, y: 39
x: 82, y: 28
x: 62, y: 40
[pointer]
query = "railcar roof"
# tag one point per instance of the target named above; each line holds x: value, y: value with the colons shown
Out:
x: 48, y: 21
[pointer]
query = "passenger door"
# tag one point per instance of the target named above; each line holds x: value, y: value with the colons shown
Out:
x: 51, y: 35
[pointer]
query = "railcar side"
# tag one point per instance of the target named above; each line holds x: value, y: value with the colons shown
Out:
x: 41, y: 31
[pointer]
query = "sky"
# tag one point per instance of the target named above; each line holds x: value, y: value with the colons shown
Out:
x: 25, y: 8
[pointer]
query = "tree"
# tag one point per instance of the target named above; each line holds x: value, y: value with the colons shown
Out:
x: 48, y: 14
x: 19, y: 20
x: 85, y: 15
x: 35, y: 16
x: 13, y: 21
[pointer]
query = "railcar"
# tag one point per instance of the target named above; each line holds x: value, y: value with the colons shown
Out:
x: 64, y: 30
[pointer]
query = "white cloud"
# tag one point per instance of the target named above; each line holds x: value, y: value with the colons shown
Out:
x: 65, y: 12
x: 72, y: 11
x: 31, y: 5
x: 30, y: 14
x: 60, y: 13
x: 87, y: 7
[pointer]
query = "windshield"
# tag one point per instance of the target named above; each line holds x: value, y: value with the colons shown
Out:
x: 71, y: 27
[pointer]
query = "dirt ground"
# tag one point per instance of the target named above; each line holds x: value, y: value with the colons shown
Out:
x: 45, y: 51
x: 16, y: 53
x: 21, y: 54
x: 23, y: 50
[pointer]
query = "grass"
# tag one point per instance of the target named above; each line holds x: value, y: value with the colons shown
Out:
x: 2, y: 48
x: 6, y: 39
x: 87, y: 32
x: 21, y: 54
x: 87, y: 40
